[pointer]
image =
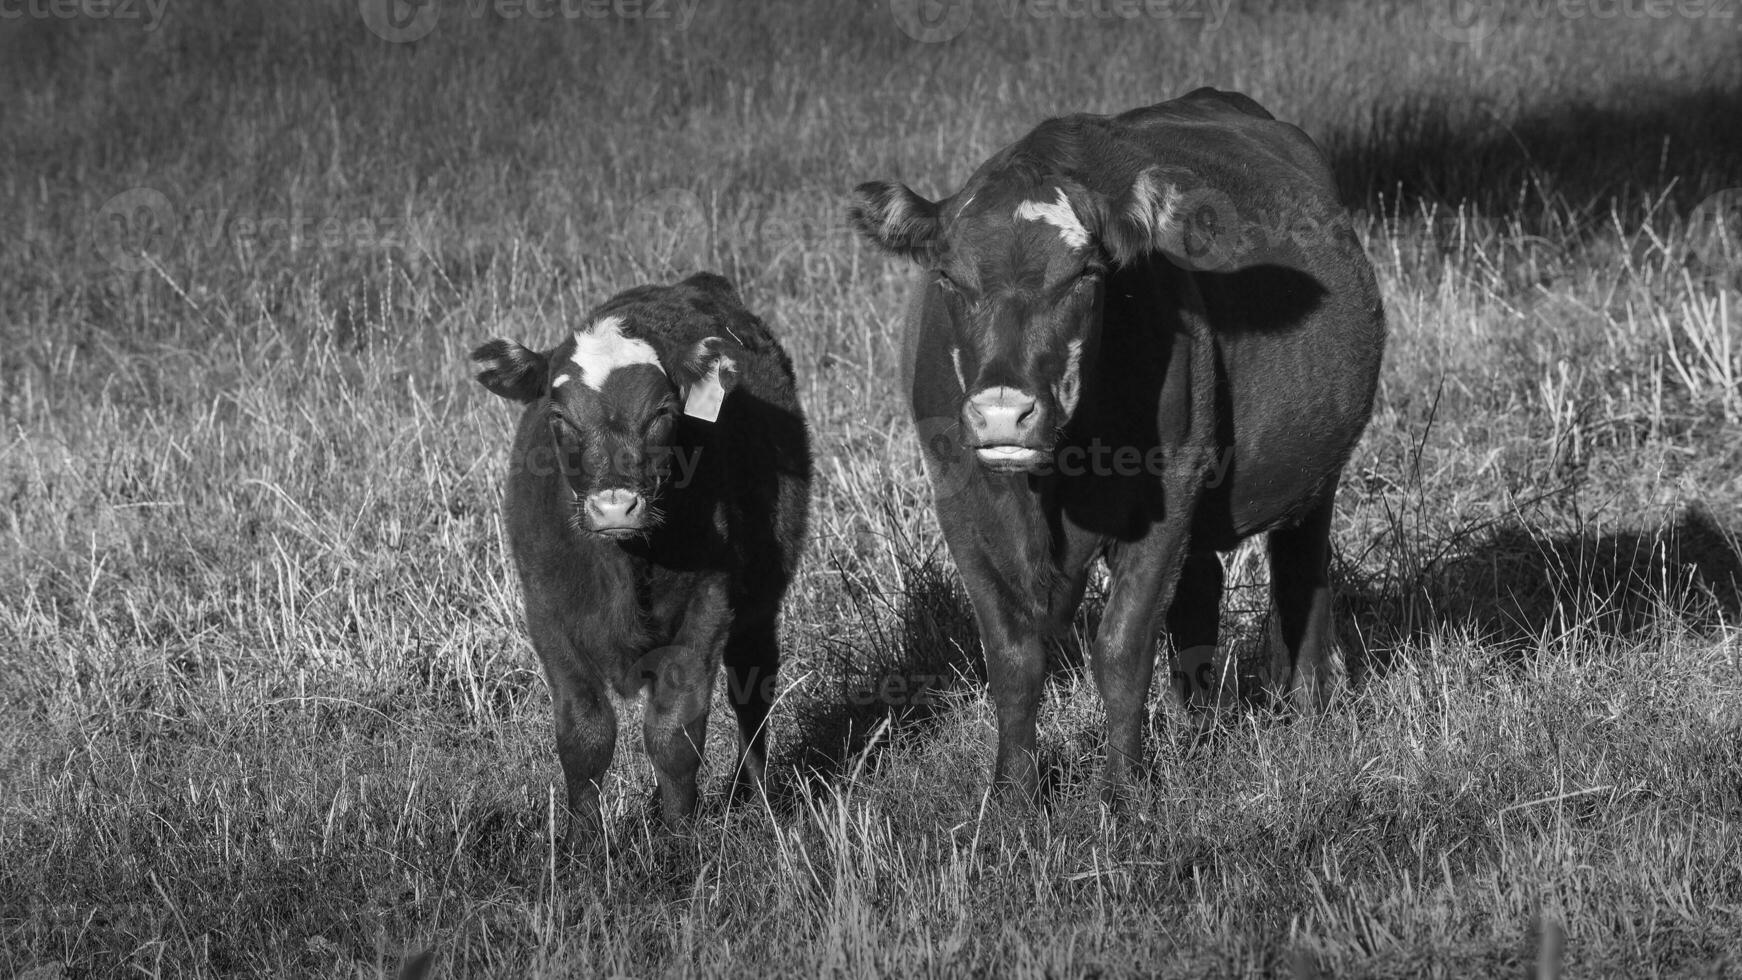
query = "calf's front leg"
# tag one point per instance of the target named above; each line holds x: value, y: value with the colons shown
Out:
x: 586, y: 733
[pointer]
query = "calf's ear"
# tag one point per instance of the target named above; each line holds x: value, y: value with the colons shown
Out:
x: 895, y: 219
x: 708, y: 373
x: 511, y: 370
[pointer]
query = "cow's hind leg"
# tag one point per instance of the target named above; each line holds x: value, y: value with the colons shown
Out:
x: 1300, y: 584
x: 1194, y: 624
x: 752, y: 658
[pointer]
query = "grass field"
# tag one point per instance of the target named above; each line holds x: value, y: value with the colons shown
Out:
x: 266, y: 707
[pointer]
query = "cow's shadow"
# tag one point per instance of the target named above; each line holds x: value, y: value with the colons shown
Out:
x: 904, y: 661
x: 1678, y: 146
x: 889, y: 670
x: 1517, y: 590
x: 1513, y: 592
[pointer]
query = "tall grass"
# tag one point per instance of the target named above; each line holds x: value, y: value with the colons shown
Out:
x: 268, y: 707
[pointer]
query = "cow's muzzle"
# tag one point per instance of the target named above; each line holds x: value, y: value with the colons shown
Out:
x: 1006, y: 428
x: 615, y: 513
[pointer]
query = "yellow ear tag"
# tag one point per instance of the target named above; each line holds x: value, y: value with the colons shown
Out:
x: 703, y: 399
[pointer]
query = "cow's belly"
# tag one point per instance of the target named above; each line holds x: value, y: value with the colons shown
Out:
x: 1296, y: 416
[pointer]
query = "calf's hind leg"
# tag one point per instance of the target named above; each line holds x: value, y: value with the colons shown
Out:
x: 752, y: 658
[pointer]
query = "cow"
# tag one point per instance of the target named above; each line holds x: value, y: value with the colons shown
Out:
x: 656, y: 506
x: 1143, y: 338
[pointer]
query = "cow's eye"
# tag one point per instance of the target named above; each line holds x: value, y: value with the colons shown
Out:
x: 949, y: 285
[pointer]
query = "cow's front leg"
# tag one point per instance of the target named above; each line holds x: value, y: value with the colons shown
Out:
x: 1145, y: 576
x: 1016, y: 672
x: 1000, y: 545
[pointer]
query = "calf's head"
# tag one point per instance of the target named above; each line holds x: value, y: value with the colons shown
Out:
x: 1019, y: 267
x: 610, y: 401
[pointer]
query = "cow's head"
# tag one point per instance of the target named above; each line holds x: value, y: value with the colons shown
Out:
x: 611, y: 400
x: 1021, y: 266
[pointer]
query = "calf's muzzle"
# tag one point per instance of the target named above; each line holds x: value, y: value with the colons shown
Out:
x: 615, y: 512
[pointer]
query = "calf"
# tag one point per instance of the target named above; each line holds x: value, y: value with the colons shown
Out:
x: 656, y: 507
x: 1141, y: 337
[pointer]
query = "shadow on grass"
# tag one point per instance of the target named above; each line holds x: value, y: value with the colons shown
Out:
x: 1684, y: 146
x: 1516, y: 589
x: 889, y: 670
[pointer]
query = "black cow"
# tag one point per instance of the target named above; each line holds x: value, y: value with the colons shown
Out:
x: 1144, y: 337
x: 656, y: 507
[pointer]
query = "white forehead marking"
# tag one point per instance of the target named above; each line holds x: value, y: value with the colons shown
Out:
x: 602, y: 348
x: 1058, y: 214
x: 961, y: 377
x: 562, y: 379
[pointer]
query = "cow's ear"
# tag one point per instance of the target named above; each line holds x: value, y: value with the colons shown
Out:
x: 1141, y: 219
x: 511, y: 370
x: 708, y: 373
x: 1175, y: 214
x: 895, y: 219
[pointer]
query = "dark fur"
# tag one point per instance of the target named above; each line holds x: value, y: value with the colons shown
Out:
x: 1249, y: 324
x: 699, y: 588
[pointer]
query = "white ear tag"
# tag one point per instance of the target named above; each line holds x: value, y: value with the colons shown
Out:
x: 702, y: 400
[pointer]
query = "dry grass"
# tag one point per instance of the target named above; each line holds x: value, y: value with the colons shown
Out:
x: 267, y: 706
